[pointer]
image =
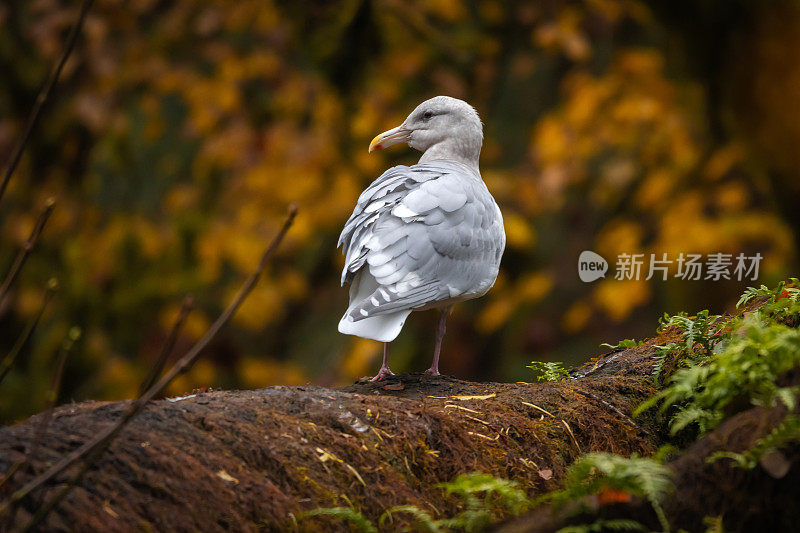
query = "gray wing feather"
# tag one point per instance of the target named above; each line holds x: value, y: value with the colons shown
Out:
x: 427, y: 233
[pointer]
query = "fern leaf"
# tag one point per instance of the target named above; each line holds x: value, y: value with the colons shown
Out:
x: 347, y: 513
x: 424, y: 520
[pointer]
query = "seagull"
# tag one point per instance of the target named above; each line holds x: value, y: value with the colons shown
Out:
x: 423, y: 236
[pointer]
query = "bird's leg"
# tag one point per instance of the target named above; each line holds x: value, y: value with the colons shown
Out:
x: 384, y: 371
x: 440, y: 329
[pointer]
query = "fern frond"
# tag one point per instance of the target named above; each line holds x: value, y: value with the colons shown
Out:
x: 787, y: 396
x: 624, y: 343
x: 787, y: 431
x: 471, y: 520
x: 642, y: 477
x: 549, y: 370
x: 752, y: 292
x: 755, y: 353
x: 690, y: 415
x: 617, y: 524
x: 346, y: 513
x: 424, y: 520
x: 714, y: 524
x: 660, y: 358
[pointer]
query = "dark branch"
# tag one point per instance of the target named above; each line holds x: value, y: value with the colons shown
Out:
x: 8, y: 360
x: 42, y: 97
x: 27, y: 248
x: 166, y: 349
x: 93, y: 449
x: 52, y: 395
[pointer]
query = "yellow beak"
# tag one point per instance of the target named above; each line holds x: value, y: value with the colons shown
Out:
x: 388, y: 138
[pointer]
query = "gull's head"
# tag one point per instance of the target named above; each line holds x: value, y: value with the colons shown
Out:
x: 442, y: 127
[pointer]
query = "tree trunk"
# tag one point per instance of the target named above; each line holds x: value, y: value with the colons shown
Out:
x: 761, y: 499
x: 247, y: 460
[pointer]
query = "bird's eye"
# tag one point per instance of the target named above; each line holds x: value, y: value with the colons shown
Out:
x: 427, y: 115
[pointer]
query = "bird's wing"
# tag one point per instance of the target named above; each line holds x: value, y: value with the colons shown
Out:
x: 427, y: 233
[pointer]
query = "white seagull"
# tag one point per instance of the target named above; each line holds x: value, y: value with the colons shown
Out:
x: 425, y: 236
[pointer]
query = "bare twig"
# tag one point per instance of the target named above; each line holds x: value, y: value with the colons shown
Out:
x: 43, y: 510
x: 8, y: 359
x: 97, y: 445
x: 27, y: 247
x: 166, y: 349
x: 73, y: 335
x: 52, y: 396
x: 44, y: 94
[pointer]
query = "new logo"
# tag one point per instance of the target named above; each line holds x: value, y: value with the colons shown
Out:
x: 591, y: 266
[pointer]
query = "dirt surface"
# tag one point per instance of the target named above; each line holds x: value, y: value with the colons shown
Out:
x: 247, y: 460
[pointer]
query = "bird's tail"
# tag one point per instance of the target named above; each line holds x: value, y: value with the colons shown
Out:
x: 384, y: 327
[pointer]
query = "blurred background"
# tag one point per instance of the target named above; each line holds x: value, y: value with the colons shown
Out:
x: 181, y: 130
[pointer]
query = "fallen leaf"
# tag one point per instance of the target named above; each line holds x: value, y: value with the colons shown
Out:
x: 224, y: 476
x: 546, y: 474
x: 395, y: 386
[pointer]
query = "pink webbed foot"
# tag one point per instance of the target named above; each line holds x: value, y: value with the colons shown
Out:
x: 382, y: 373
x: 432, y: 372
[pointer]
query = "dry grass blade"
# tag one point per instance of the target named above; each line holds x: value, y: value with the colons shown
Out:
x: 169, y: 344
x: 545, y: 411
x: 8, y: 360
x: 27, y: 248
x: 571, y: 434
x: 89, y: 451
x: 42, y: 97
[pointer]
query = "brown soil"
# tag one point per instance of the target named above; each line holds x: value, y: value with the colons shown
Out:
x: 246, y: 460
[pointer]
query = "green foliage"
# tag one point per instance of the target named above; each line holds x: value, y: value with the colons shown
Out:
x: 752, y: 292
x: 624, y: 343
x: 642, y: 477
x: 782, y: 305
x: 346, y: 513
x: 485, y: 499
x: 787, y: 431
x: 773, y: 295
x: 745, y: 360
x: 699, y: 333
x: 714, y: 524
x: 617, y: 524
x: 699, y: 336
x: 743, y: 373
x: 424, y: 521
x: 170, y: 179
x: 662, y: 352
x: 549, y: 371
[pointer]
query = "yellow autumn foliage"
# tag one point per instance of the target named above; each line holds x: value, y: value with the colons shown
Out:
x: 180, y: 132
